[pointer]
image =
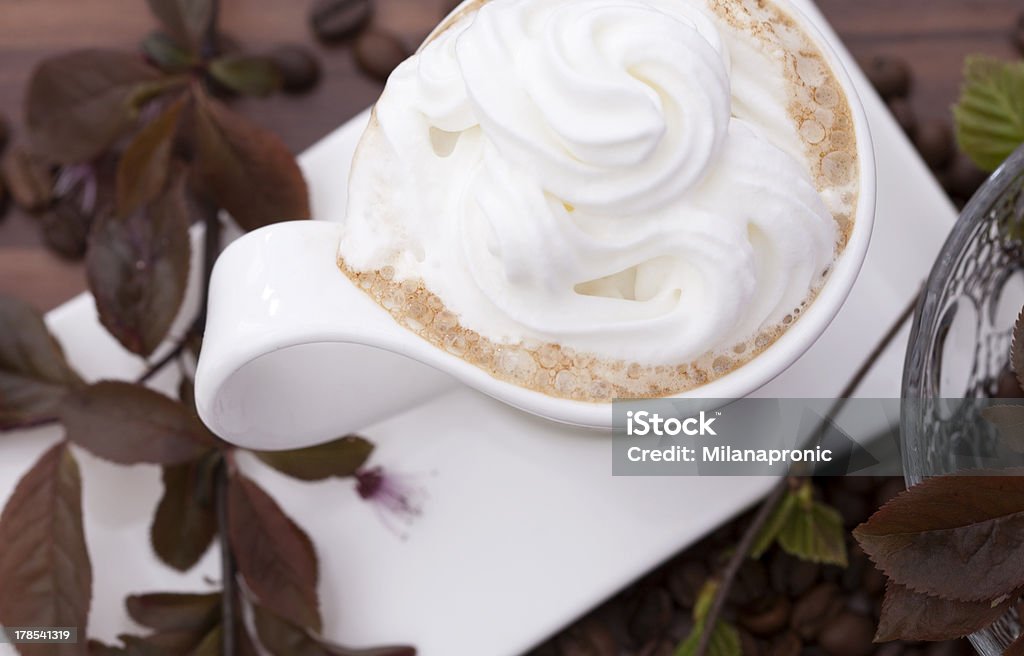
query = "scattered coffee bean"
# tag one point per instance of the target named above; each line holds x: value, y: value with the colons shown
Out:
x: 66, y: 229
x: 28, y: 180
x: 749, y: 645
x: 685, y: 581
x: 787, y: 644
x: 889, y: 75
x: 651, y: 616
x: 963, y: 178
x: 657, y: 648
x: 854, y: 508
x: 874, y: 581
x: 588, y: 638
x: 378, y: 53
x: 1005, y: 385
x: 335, y: 20
x: 298, y: 66
x: 766, y: 616
x: 904, y: 114
x: 849, y: 634
x: 751, y: 583
x: 934, y: 140
x: 814, y: 608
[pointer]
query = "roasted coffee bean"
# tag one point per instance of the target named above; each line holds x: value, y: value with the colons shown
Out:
x: 792, y: 576
x: 814, y: 608
x: 657, y: 648
x: 963, y: 178
x: 888, y: 490
x: 378, y: 53
x: 934, y: 140
x: 28, y: 181
x: 749, y: 645
x: 889, y: 75
x: 66, y: 229
x: 651, y: 615
x: 588, y: 637
x: 890, y: 649
x: 854, y: 508
x: 751, y: 583
x: 1006, y: 385
x: 849, y: 634
x: 786, y: 644
x: 860, y: 602
x: 904, y: 114
x: 298, y: 66
x: 334, y: 20
x: 685, y: 580
x: 766, y: 616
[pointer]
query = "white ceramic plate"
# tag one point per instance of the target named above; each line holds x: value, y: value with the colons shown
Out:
x: 524, y: 528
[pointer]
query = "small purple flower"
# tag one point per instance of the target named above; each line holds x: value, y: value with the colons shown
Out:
x: 394, y: 496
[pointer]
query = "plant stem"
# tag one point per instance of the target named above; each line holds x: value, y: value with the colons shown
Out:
x: 157, y: 366
x: 776, y: 494
x: 229, y: 593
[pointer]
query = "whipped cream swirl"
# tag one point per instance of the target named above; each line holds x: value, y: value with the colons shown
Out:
x: 595, y: 173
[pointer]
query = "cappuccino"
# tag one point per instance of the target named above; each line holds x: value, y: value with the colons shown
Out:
x: 601, y: 199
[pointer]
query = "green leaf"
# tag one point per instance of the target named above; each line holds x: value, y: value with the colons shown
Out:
x: 45, y: 573
x: 185, y: 521
x: 341, y: 458
x: 909, y: 615
x: 130, y: 424
x: 725, y: 641
x: 971, y: 525
x: 282, y: 638
x: 275, y: 557
x: 778, y: 519
x: 34, y: 375
x: 705, y: 597
x: 247, y: 74
x: 245, y: 169
x: 79, y: 102
x: 185, y: 20
x: 990, y: 113
x: 144, y: 168
x: 175, y: 611
x: 165, y: 53
x: 815, y: 533
x: 137, y: 269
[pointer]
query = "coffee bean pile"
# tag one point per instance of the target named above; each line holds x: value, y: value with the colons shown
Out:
x: 781, y: 605
x: 377, y: 50
x: 893, y: 79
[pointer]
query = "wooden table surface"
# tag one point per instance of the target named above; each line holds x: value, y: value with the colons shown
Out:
x: 932, y: 35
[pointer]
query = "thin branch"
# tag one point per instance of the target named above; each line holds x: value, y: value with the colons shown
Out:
x: 775, y: 496
x: 158, y: 366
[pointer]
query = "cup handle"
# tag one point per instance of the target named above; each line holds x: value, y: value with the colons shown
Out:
x: 294, y: 353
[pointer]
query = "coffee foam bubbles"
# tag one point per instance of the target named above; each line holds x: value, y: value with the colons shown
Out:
x: 644, y: 184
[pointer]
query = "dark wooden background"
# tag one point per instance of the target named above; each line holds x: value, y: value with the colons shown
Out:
x: 932, y: 35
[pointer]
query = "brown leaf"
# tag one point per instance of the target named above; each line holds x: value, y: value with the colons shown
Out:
x: 341, y: 457
x: 45, y: 573
x: 248, y: 75
x: 66, y: 228
x: 185, y: 20
x: 28, y: 180
x: 145, y: 165
x: 137, y: 268
x: 79, y: 102
x: 1009, y: 421
x: 1017, y: 349
x: 245, y: 169
x: 282, y: 638
x: 175, y: 611
x: 162, y: 643
x: 130, y: 424
x: 274, y: 555
x: 34, y: 375
x: 165, y: 53
x: 185, y: 520
x: 909, y: 615
x: 968, y: 524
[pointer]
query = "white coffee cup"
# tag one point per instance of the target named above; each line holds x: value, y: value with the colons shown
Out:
x: 295, y: 353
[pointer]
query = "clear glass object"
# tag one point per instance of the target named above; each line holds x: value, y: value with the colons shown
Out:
x: 959, y: 343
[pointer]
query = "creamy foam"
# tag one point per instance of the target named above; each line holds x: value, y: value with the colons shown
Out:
x: 601, y: 198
